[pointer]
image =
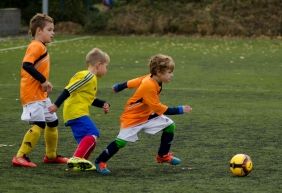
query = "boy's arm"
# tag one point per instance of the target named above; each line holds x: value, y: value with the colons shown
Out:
x: 29, y: 67
x: 45, y: 84
x: 151, y: 98
x: 178, y: 110
x: 102, y: 104
x: 63, y: 96
x: 35, y: 51
x: 98, y: 103
x: 119, y: 86
x: 133, y: 83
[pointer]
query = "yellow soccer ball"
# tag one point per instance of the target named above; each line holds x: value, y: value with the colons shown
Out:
x: 241, y: 165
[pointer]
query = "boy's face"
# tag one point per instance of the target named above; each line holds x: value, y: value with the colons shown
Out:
x: 166, y: 76
x: 102, y: 69
x: 46, y: 34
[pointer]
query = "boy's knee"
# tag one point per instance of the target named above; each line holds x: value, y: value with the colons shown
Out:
x: 120, y: 143
x: 53, y: 124
x: 170, y: 128
x: 36, y: 130
x: 40, y: 124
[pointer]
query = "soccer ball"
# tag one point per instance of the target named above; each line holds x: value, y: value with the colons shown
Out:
x: 241, y: 165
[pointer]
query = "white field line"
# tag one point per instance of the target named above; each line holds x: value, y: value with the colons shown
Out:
x: 55, y: 42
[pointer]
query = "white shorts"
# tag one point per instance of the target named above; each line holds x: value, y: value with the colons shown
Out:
x: 38, y: 111
x: 152, y: 126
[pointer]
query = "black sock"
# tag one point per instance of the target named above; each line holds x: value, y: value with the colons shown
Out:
x: 166, y: 141
x: 109, y: 152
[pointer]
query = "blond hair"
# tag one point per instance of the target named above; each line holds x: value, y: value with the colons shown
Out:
x: 96, y: 55
x: 39, y: 20
x: 161, y: 63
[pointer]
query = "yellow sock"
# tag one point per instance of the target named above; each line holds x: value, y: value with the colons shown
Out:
x: 51, y: 141
x: 29, y: 141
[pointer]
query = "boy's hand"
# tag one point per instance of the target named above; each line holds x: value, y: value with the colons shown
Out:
x: 187, y: 108
x: 106, y: 108
x: 119, y: 87
x: 115, y: 88
x: 53, y: 108
x: 47, y: 86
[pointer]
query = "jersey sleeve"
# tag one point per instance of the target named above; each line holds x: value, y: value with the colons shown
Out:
x: 34, y: 52
x: 77, y: 81
x: 151, y: 98
x: 134, y: 83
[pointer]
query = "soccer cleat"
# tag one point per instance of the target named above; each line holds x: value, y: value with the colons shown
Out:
x: 168, y: 158
x: 80, y: 163
x: 102, y: 168
x: 58, y: 160
x: 23, y: 162
x: 76, y: 169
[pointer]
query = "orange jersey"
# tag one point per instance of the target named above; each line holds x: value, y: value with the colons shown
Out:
x: 144, y: 102
x: 30, y: 88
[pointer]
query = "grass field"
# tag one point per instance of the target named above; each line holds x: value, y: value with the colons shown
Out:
x: 233, y: 85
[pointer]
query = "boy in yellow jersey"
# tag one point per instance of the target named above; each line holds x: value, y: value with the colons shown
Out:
x: 34, y: 89
x: 78, y: 96
x: 144, y: 112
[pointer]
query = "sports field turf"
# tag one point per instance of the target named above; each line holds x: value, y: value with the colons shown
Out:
x: 233, y: 85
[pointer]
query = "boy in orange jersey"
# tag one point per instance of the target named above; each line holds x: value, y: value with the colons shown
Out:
x: 34, y: 89
x: 144, y: 111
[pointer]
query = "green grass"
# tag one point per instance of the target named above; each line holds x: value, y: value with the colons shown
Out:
x: 233, y: 85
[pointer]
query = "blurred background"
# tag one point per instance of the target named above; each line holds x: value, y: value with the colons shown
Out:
x: 189, y: 17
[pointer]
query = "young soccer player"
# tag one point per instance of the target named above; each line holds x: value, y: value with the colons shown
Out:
x: 78, y: 96
x: 144, y: 112
x: 34, y: 89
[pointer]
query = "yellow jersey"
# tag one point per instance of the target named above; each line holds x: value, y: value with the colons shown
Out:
x: 82, y: 88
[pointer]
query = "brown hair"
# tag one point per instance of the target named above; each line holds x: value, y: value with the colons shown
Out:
x: 39, y: 20
x: 96, y: 55
x: 160, y: 63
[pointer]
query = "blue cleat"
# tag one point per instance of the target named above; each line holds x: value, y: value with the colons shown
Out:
x: 102, y: 168
x: 168, y: 158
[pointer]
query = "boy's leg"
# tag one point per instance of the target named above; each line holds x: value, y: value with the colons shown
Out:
x: 34, y: 114
x: 85, y: 147
x: 28, y: 144
x: 166, y: 140
x: 51, y: 139
x: 85, y: 132
x: 79, y: 160
x: 109, y: 152
x: 51, y: 142
x: 124, y: 136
